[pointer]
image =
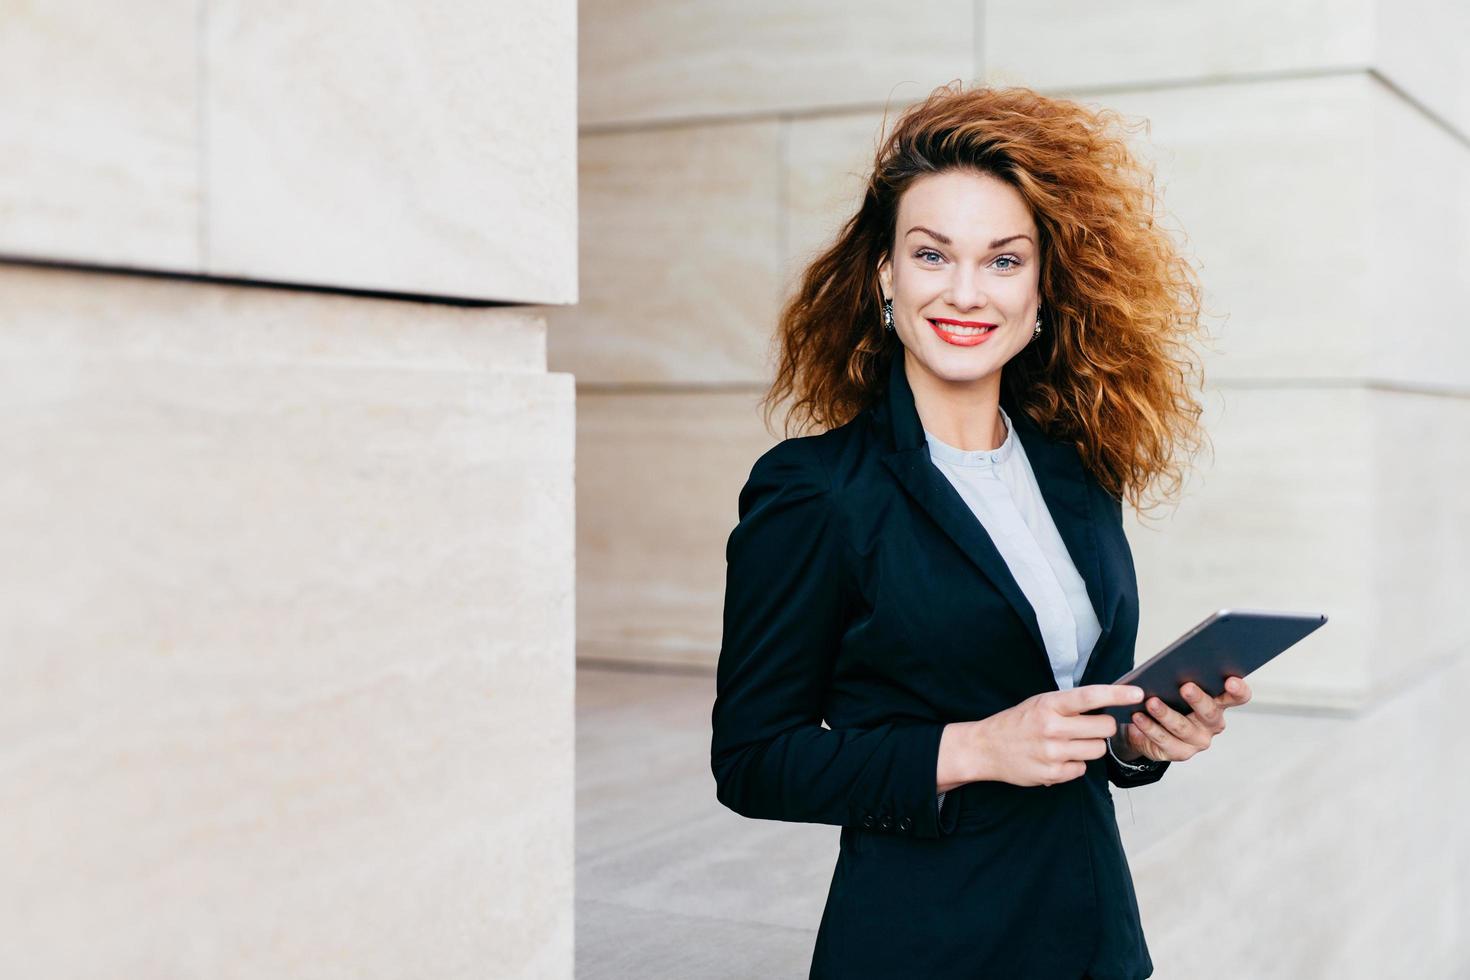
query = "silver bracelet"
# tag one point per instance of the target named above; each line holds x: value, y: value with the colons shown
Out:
x: 1147, y: 765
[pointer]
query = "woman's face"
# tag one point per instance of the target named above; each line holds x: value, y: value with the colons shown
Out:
x: 964, y: 250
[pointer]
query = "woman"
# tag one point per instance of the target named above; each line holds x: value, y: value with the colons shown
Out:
x: 994, y: 350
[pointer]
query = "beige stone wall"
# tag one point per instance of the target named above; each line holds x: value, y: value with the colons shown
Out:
x: 1317, y: 156
x: 287, y: 605
x: 426, y: 149
x: 1282, y: 141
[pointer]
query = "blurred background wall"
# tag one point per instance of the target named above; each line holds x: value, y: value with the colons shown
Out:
x: 286, y: 601
x: 1317, y: 158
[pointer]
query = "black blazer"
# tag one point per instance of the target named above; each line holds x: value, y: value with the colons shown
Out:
x: 862, y: 591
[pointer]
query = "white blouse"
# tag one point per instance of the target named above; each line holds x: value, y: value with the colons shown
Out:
x: 1001, y: 490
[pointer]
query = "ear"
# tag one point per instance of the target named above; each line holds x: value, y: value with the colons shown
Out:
x: 885, y: 276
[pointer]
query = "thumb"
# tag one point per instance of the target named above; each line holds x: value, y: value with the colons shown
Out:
x: 1142, y: 744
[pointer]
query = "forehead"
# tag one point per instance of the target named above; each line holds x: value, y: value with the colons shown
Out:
x: 965, y: 206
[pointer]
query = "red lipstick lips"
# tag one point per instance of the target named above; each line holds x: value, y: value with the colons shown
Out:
x: 964, y: 338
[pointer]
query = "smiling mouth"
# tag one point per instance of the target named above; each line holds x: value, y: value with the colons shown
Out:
x: 966, y: 334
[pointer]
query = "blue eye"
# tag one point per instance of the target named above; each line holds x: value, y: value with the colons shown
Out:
x: 925, y: 253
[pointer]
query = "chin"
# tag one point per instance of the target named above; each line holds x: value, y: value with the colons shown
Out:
x: 957, y: 371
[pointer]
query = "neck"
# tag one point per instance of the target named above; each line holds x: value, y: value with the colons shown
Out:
x: 965, y: 415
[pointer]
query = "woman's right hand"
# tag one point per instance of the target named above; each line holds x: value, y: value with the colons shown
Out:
x: 1046, y: 739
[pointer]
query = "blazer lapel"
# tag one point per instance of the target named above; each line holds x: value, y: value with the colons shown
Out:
x: 1059, y: 474
x: 1064, y: 487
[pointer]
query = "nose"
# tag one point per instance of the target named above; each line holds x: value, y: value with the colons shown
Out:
x: 966, y: 291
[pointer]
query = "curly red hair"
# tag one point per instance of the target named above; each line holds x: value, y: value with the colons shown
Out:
x: 1113, y: 372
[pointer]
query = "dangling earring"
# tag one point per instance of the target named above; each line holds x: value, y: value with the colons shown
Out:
x: 888, y: 314
x: 1037, y: 332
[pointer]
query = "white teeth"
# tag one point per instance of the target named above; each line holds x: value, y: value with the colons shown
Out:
x: 960, y: 331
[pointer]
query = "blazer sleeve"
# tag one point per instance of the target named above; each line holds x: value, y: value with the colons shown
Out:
x: 783, y: 622
x: 1125, y: 778
x: 1119, y: 775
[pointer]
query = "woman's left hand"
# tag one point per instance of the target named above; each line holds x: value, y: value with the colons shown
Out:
x: 1164, y: 734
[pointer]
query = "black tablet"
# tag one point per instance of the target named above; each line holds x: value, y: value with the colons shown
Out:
x: 1229, y: 643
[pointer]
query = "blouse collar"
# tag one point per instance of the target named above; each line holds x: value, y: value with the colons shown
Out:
x: 944, y: 452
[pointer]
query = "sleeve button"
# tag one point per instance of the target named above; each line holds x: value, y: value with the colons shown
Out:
x: 887, y: 823
x: 906, y: 823
x: 867, y: 820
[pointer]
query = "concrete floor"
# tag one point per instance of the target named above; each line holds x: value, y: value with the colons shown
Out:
x: 670, y: 883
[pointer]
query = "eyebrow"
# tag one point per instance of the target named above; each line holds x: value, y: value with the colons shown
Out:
x: 945, y: 240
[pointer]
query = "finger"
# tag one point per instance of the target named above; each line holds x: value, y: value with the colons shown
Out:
x: 1166, y: 743
x: 1076, y: 700
x: 1187, y: 730
x: 1084, y: 726
x: 1063, y: 770
x: 1086, y: 748
x: 1237, y: 692
x: 1141, y: 743
x: 1208, y: 710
